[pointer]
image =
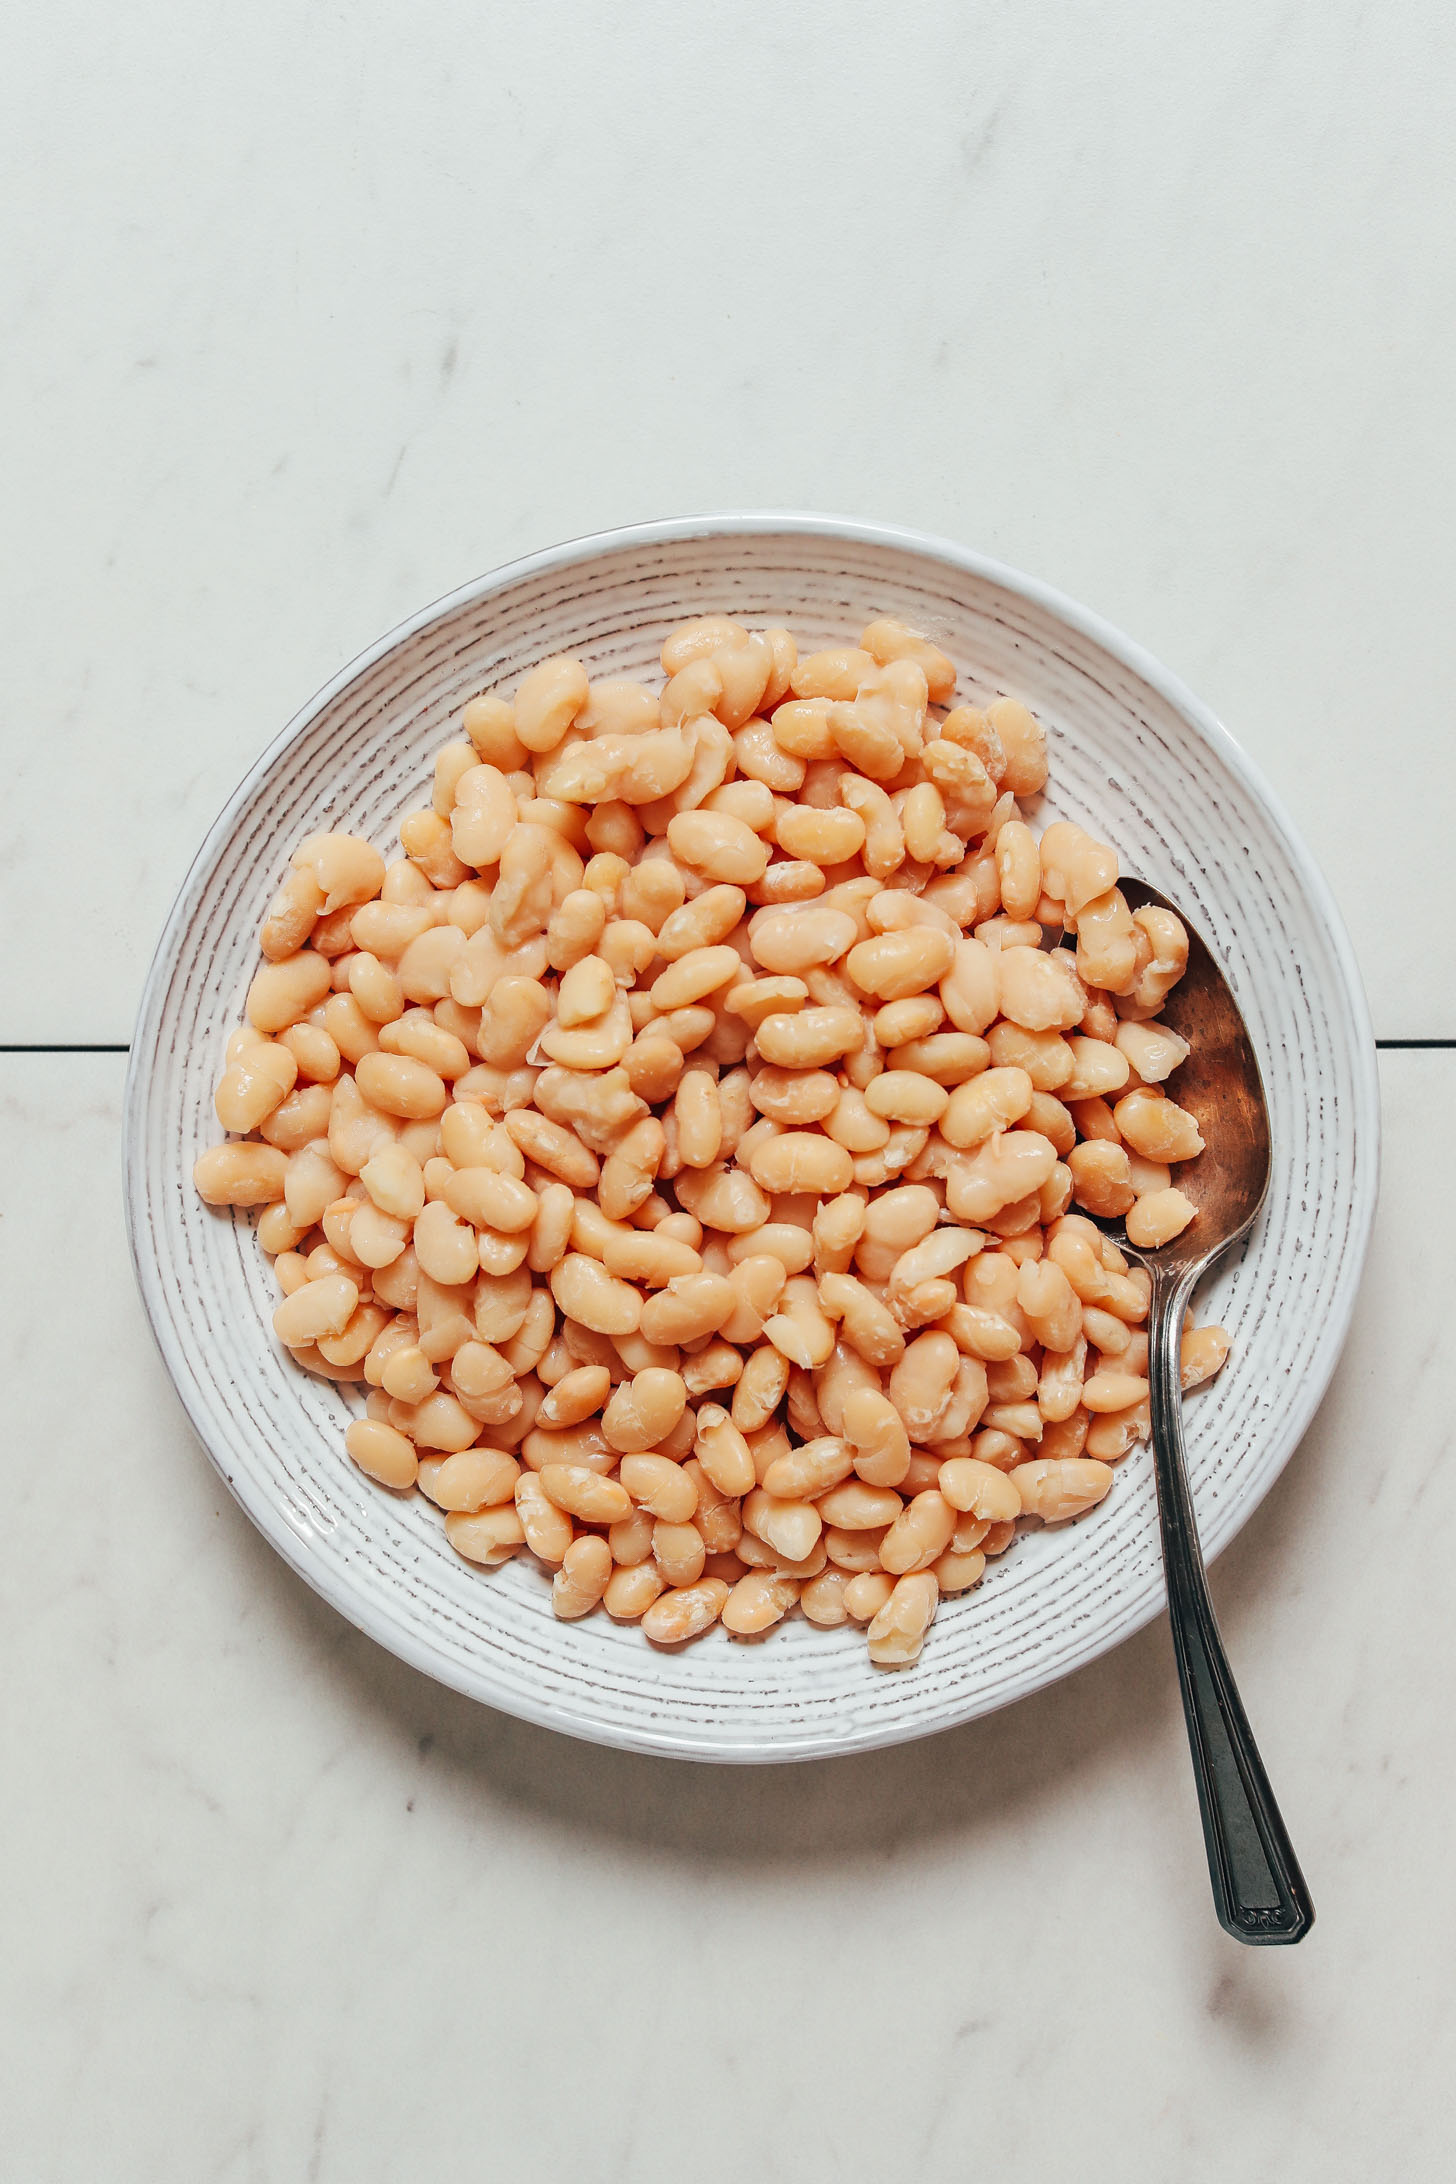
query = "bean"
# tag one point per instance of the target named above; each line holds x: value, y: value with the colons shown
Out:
x: 1039, y: 991
x: 799, y: 1329
x: 240, y: 1175
x: 904, y: 1095
x: 919, y: 1535
x: 1201, y: 1354
x: 757, y: 1602
x: 865, y: 1594
x: 474, y: 1478
x: 1024, y: 743
x: 809, y: 1038
x: 255, y: 1085
x: 1057, y: 1489
x: 760, y: 1389
x: 419, y: 1036
x: 586, y: 992
x: 717, y: 845
x: 490, y: 724
x: 801, y: 1161
x: 884, y: 847
x: 1157, y: 1217
x: 628, y: 1172
x: 878, y: 1441
x: 888, y: 640
x: 903, y: 1023
x: 791, y: 940
x: 440, y: 1422
x: 981, y: 1489
x: 345, y: 868
x: 896, y: 966
x: 1111, y: 1436
x: 969, y: 988
x: 384, y: 1454
x: 941, y: 1254
x: 631, y: 1592
x: 957, y: 1570
x: 701, y: 971
x: 575, y: 927
x: 396, y: 1085
x: 582, y: 1579
x: 291, y: 915
x: 921, y: 1382
x: 644, y: 1410
x: 897, y: 1631
x: 790, y: 1525
x: 1001, y: 1174
x: 584, y: 1493
x: 490, y: 1199
x: 699, y: 924
x: 685, y: 1612
x: 1151, y: 1049
x: 823, y: 1599
x: 1113, y: 1391
x: 548, y: 700
x: 1018, y: 870
x: 283, y: 992
x: 487, y: 1536
x: 578, y: 1394
x: 856, y: 1551
x: 699, y: 1121
x: 654, y: 1065
x: 321, y: 1307
x: 856, y: 1506
x: 823, y: 837
x: 277, y: 1233
x: 648, y: 1256
x: 1165, y: 939
x: 551, y: 1146
x: 587, y: 1293
x: 1157, y: 1127
x: 717, y: 1515
x: 678, y: 1551
x: 835, y: 673
x: 809, y: 1470
x: 869, y: 1327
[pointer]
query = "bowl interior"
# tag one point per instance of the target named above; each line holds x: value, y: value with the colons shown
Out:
x: 1135, y: 760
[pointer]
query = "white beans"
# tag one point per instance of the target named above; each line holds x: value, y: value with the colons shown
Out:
x: 681, y: 1143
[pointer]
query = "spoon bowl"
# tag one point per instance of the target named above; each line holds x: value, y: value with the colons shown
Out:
x: 1221, y: 1087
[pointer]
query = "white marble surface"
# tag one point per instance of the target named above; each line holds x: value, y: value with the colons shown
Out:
x: 311, y: 316
x: 279, y: 1909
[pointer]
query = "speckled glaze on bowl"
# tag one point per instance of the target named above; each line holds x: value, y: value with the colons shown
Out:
x: 1135, y: 758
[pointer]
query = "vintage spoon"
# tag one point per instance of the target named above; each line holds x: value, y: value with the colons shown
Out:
x: 1258, y: 1889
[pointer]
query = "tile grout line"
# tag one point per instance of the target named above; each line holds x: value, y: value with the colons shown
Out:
x: 1383, y: 1046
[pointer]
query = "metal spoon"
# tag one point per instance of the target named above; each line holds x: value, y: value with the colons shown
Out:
x: 1258, y: 1889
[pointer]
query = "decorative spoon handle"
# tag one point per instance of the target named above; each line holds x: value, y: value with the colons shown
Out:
x: 1258, y: 1889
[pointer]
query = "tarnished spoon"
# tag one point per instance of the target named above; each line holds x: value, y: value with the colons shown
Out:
x: 1258, y: 1889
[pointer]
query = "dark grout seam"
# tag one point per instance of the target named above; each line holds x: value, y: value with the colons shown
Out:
x: 1384, y: 1046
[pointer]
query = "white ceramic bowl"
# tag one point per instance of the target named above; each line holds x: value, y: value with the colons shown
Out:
x: 1135, y: 758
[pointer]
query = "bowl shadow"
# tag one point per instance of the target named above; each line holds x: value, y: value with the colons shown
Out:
x: 990, y: 1775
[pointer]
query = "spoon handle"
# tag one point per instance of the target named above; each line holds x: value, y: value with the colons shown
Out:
x: 1258, y: 1889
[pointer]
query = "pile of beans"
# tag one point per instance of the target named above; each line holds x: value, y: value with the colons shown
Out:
x: 681, y: 1139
